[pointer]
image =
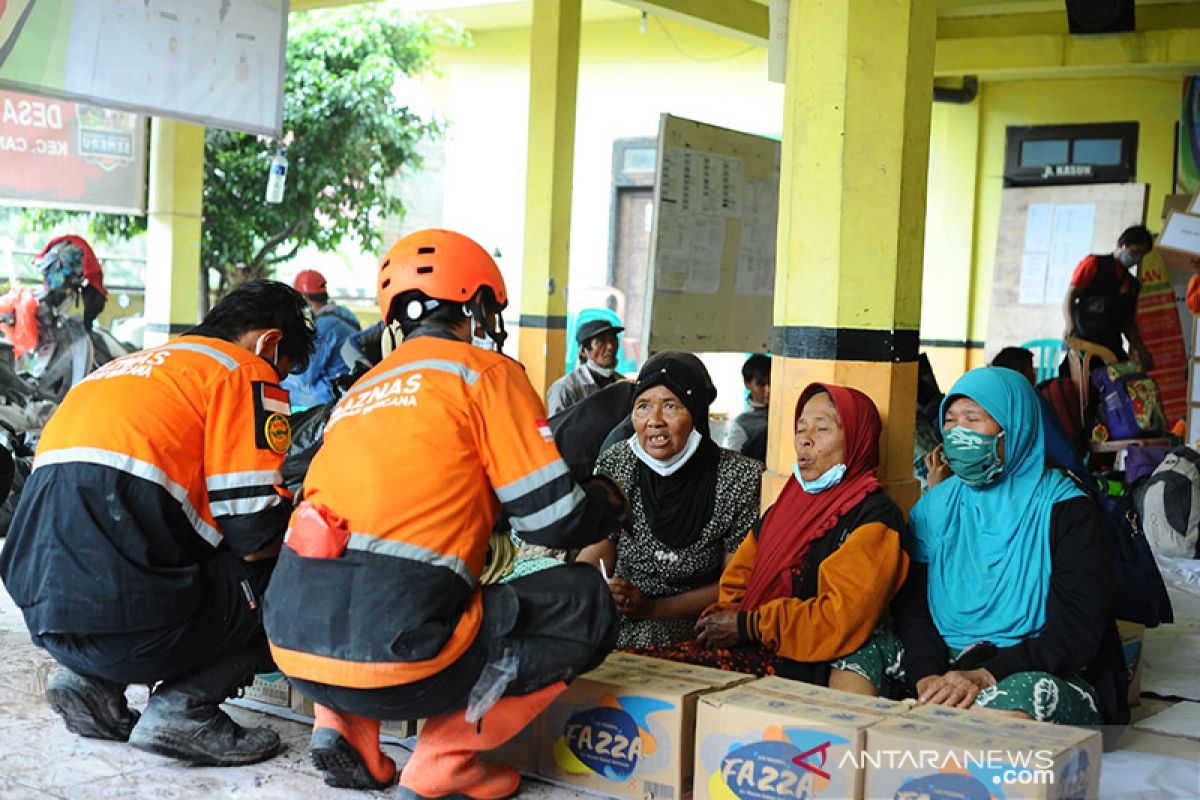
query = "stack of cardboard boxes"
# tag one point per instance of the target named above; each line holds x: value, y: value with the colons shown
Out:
x: 1179, y: 242
x: 624, y: 729
x: 647, y: 729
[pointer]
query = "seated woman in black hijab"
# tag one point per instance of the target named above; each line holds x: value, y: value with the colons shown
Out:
x: 692, y: 502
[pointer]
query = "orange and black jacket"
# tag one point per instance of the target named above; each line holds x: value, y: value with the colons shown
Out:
x: 150, y: 465
x: 419, y: 460
x: 840, y: 591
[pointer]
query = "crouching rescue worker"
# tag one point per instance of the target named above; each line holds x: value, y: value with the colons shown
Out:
x: 376, y: 610
x: 147, y: 531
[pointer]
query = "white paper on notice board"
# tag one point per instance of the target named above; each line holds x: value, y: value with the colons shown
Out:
x: 1038, y: 227
x: 756, y: 246
x: 1032, y: 291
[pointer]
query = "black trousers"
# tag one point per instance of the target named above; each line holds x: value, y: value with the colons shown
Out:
x: 226, y: 624
x: 559, y: 623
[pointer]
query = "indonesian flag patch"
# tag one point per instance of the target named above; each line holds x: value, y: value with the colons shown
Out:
x: 544, y: 429
x: 272, y: 430
x: 275, y: 399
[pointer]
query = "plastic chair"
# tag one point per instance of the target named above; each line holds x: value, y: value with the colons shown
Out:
x: 1082, y: 356
x: 1047, y: 353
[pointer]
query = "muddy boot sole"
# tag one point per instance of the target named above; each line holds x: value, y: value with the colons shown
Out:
x: 90, y: 713
x: 166, y: 746
x: 340, y: 764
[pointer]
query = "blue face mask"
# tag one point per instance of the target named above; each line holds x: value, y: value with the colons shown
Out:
x: 830, y: 478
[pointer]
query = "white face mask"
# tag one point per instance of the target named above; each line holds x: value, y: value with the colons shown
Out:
x: 483, y: 342
x: 669, y: 466
x: 604, y: 372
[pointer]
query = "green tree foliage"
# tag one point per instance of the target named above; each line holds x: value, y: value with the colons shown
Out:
x: 347, y: 135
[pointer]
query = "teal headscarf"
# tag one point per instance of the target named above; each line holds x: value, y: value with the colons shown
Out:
x: 988, y: 548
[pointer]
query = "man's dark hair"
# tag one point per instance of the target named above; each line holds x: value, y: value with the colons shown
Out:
x: 266, y: 304
x: 1135, y: 235
x: 1014, y: 358
x: 319, y: 297
x: 757, y: 368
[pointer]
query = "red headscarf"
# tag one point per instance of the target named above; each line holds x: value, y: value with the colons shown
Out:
x: 798, y: 518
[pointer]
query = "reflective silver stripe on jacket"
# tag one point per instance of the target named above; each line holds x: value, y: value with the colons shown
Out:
x: 225, y: 360
x: 138, y: 468
x: 411, y: 552
x: 551, y: 514
x: 534, y: 480
x: 468, y: 375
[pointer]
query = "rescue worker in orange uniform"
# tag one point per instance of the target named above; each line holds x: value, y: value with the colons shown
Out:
x: 376, y: 610
x: 145, y: 536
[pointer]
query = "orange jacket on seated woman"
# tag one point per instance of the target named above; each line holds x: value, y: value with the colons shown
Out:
x: 815, y: 576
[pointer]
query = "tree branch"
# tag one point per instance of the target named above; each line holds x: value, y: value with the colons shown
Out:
x: 290, y: 254
x: 270, y: 244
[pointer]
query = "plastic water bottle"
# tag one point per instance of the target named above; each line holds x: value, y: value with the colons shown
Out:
x: 278, y: 177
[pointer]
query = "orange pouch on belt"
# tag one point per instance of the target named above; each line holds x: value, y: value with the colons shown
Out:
x: 318, y: 533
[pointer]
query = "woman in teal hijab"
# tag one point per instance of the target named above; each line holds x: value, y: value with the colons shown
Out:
x: 1008, y: 604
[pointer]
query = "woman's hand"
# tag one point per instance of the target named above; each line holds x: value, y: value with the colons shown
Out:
x: 718, y: 630
x: 935, y: 464
x: 630, y: 600
x: 953, y: 689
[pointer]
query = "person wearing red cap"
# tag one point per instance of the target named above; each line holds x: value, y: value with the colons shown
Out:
x: 335, y: 325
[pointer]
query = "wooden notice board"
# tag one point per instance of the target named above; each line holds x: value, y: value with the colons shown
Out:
x: 1044, y: 232
x: 712, y: 247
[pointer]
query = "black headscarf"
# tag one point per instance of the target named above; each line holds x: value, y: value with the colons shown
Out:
x: 678, y: 506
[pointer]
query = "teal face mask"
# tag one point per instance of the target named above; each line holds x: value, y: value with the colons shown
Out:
x: 829, y: 478
x: 974, y: 457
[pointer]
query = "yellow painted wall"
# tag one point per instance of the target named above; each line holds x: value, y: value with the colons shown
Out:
x: 627, y: 78
x: 959, y: 255
x: 1151, y: 102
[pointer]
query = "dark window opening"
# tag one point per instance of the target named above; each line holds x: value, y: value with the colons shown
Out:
x: 1071, y: 154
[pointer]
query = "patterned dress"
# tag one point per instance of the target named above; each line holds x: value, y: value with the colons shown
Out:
x: 661, y: 571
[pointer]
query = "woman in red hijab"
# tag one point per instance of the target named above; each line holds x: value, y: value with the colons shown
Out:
x: 815, y: 575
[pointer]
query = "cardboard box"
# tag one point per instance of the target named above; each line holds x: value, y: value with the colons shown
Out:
x: 1177, y: 202
x: 822, y: 695
x: 753, y: 743
x: 924, y: 754
x: 626, y: 731
x: 1179, y: 242
x: 1133, y: 638
x: 270, y: 688
x: 677, y: 669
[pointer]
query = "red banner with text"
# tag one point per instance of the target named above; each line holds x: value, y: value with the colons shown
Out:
x: 69, y: 155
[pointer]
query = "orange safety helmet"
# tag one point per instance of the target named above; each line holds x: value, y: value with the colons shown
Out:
x: 310, y: 282
x: 442, y: 265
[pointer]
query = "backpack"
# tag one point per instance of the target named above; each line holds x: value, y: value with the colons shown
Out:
x: 1140, y: 594
x: 1130, y: 404
x: 1168, y: 503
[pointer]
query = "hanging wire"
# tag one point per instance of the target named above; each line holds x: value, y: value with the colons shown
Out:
x: 692, y: 57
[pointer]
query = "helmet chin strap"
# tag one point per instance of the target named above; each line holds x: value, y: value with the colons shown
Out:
x: 475, y: 311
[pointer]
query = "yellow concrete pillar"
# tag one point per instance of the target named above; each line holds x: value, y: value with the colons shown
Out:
x: 947, y: 293
x: 553, y: 77
x: 173, y: 229
x: 851, y: 218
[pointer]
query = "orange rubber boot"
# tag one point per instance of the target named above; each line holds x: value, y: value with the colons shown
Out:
x: 345, y: 748
x: 445, y: 763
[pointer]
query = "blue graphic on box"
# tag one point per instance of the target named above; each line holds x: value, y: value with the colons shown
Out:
x: 612, y: 738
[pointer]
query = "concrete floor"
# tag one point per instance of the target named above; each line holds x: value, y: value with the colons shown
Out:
x: 39, y: 758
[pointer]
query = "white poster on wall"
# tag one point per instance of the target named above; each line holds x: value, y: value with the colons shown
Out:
x: 1057, y: 238
x: 216, y: 62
